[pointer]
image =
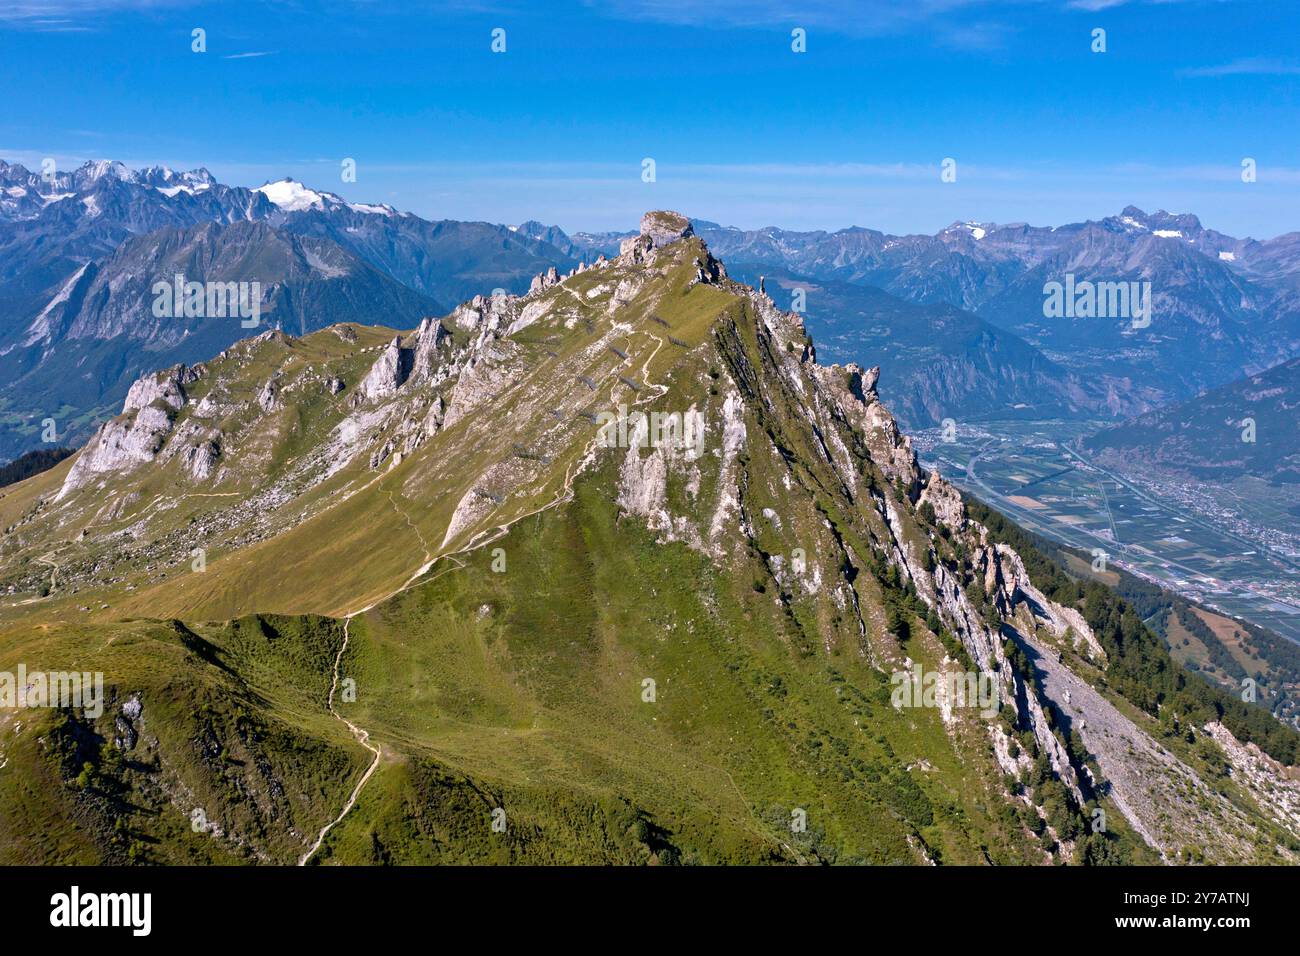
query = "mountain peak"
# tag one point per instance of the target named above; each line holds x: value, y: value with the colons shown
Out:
x: 1161, y: 223
x: 96, y: 169
x: 976, y: 230
x: 664, y: 226
x: 291, y: 195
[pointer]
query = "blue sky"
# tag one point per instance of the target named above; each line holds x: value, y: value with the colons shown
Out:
x: 743, y: 130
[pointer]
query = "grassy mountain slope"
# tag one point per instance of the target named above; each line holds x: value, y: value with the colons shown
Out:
x: 638, y: 651
x: 228, y: 725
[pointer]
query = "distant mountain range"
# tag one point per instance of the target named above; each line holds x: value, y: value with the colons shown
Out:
x: 957, y: 320
x: 1222, y: 307
x: 80, y: 252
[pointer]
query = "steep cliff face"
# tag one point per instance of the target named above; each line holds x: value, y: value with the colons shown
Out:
x: 627, y: 524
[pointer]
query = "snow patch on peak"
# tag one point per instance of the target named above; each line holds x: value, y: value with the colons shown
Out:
x: 95, y: 170
x: 976, y: 230
x: 1167, y: 233
x: 171, y: 191
x: 371, y: 209
x: 291, y: 195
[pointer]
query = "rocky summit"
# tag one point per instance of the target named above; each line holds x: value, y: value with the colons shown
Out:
x: 664, y: 227
x: 612, y: 571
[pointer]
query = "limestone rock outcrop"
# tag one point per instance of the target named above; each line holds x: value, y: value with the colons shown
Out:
x: 200, y: 460
x: 119, y: 444
x: 428, y: 337
x: 544, y: 281
x: 167, y: 386
x: 136, y: 435
x: 389, y: 372
x: 664, y: 226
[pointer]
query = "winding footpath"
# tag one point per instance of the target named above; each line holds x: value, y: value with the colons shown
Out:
x: 493, y: 534
x: 363, y: 737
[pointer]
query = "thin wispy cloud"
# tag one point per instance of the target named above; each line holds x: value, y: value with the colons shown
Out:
x: 248, y: 56
x: 957, y: 24
x: 1094, y: 6
x: 899, y: 198
x: 42, y: 25
x: 855, y: 17
x: 1246, y: 66
x: 31, y: 13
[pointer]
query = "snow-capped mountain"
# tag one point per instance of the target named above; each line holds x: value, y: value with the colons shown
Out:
x: 289, y: 195
x: 75, y: 274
